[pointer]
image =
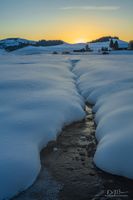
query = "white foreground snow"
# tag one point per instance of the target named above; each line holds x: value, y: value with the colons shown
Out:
x: 2, y: 52
x: 107, y: 82
x: 38, y: 96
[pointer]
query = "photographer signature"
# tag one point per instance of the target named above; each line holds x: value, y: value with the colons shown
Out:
x: 116, y: 193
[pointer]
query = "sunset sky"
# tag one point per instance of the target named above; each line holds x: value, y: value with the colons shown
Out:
x: 68, y: 20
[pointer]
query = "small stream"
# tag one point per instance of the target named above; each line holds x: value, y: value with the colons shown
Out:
x: 68, y: 171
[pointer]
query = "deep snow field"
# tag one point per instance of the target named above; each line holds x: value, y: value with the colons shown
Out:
x: 107, y: 83
x: 40, y: 94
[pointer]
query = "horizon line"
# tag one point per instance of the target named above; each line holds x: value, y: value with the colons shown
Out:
x: 15, y: 37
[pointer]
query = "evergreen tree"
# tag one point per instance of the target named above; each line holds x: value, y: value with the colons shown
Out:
x: 116, y: 45
x: 111, y: 45
x: 87, y: 47
x: 131, y: 45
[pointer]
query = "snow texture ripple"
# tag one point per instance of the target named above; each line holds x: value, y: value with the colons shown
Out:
x: 107, y: 83
x: 38, y: 97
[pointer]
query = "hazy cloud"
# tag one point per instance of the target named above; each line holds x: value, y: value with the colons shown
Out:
x: 95, y: 8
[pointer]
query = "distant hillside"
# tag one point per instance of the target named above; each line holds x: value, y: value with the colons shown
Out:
x: 70, y: 48
x: 104, y: 39
x: 11, y: 44
x: 106, y: 44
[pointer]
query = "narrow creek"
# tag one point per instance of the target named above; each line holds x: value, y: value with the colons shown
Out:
x: 67, y: 165
x: 68, y: 171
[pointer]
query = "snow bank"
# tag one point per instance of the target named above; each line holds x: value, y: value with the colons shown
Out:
x: 122, y: 52
x: 38, y: 96
x: 2, y: 52
x: 107, y: 82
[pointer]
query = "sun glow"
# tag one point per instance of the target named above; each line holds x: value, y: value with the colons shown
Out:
x: 80, y: 40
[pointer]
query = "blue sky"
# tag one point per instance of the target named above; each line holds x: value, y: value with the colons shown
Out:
x: 69, y: 20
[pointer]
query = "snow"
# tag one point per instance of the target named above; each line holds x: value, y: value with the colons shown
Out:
x: 2, y: 52
x: 49, y: 49
x: 121, y: 43
x: 66, y: 47
x: 38, y: 97
x: 122, y: 52
x: 15, y: 42
x: 107, y: 83
x: 30, y: 50
x: 41, y: 93
x: 98, y: 45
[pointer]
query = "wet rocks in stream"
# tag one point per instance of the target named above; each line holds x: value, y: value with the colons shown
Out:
x: 73, y: 175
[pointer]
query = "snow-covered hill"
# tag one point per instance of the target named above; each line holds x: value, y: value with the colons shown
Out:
x: 2, y: 51
x: 95, y: 47
x: 32, y: 47
x: 15, y: 42
x: 121, y: 43
x: 50, y: 49
x: 98, y: 45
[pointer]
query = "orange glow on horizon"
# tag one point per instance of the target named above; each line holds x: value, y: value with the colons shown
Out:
x: 80, y: 22
x: 66, y: 37
x: 71, y: 33
x: 76, y: 31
